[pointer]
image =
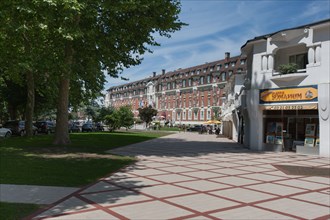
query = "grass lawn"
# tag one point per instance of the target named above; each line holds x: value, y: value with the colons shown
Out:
x: 15, y: 211
x: 35, y: 161
x: 169, y: 129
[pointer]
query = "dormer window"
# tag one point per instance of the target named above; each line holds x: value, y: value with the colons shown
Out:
x: 233, y: 64
x: 226, y: 65
x: 211, y: 68
x: 242, y: 62
x: 218, y: 66
x: 204, y: 70
x: 198, y: 72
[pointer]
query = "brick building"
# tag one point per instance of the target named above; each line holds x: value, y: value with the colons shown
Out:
x: 184, y: 96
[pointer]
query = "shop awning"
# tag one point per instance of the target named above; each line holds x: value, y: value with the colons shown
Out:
x: 290, y: 106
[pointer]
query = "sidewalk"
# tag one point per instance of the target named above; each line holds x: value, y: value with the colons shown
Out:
x: 192, y: 176
x: 33, y: 194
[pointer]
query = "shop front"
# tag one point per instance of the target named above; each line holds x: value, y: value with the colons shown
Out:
x: 291, y: 119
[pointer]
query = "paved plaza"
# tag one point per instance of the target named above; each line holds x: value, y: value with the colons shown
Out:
x: 193, y: 176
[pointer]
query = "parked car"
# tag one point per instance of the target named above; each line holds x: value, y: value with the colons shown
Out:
x: 195, y: 128
x: 73, y: 127
x: 5, y: 132
x: 45, y: 127
x: 18, y: 127
x: 99, y: 127
x: 88, y: 127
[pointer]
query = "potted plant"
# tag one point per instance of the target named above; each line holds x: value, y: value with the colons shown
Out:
x: 288, y: 68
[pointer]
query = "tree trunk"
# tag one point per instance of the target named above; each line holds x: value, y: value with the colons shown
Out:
x: 29, y: 103
x: 62, y: 115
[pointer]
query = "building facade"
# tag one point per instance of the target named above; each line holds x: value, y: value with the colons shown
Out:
x: 185, y: 96
x: 286, y: 90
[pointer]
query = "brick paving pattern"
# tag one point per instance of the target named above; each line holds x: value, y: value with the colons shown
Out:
x: 192, y: 176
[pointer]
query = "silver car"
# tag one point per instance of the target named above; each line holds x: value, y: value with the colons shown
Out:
x: 5, y: 132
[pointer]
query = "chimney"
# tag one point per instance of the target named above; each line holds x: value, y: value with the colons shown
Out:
x: 227, y: 55
x: 154, y: 74
x: 163, y: 71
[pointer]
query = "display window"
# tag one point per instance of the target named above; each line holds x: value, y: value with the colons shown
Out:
x: 286, y: 127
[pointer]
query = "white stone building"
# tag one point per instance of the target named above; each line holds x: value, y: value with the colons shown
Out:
x: 288, y: 111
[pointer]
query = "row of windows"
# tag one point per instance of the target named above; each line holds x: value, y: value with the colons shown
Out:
x: 195, y: 114
x: 212, y: 68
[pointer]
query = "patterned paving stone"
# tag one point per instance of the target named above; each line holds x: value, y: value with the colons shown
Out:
x: 236, y: 181
x: 315, y: 197
x: 97, y: 215
x: 70, y: 205
x: 302, y: 184
x: 242, y: 195
x: 115, y: 197
x: 177, y: 178
x: 165, y: 191
x: 249, y: 212
x: 202, y: 185
x: 203, y: 174
x: 275, y: 189
x: 297, y: 208
x: 151, y: 210
x: 202, y: 202
x: 171, y: 178
x: 100, y: 186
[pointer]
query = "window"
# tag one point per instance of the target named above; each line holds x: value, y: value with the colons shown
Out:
x: 218, y: 66
x: 168, y: 86
x: 202, y: 115
x: 208, y: 79
x: 233, y: 63
x: 226, y: 65
x: 189, y: 115
x: 242, y: 62
x: 160, y: 87
x: 208, y: 114
x: 204, y: 70
x: 184, y: 115
x: 211, y: 68
x: 230, y: 72
x: 299, y: 59
x: 208, y: 101
x: 195, y: 116
x: 178, y: 116
x: 223, y: 76
x: 239, y: 70
x: 189, y: 82
x: 201, y: 80
x: 189, y: 102
x: 183, y: 83
x: 198, y: 72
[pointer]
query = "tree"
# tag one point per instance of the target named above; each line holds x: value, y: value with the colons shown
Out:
x: 126, y: 117
x: 146, y: 114
x: 82, y: 39
x: 113, y: 121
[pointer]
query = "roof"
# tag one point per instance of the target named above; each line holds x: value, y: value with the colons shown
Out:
x: 264, y: 37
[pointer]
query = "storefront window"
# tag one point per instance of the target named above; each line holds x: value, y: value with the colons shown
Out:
x: 283, y: 127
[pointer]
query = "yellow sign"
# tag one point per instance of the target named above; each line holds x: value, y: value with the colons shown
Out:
x: 293, y: 94
x: 290, y: 107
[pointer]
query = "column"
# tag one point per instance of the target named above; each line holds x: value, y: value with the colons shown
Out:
x: 311, y: 55
x: 318, y: 54
x: 270, y: 62
x: 264, y: 63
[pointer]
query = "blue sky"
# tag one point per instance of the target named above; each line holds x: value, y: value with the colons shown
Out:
x: 217, y: 26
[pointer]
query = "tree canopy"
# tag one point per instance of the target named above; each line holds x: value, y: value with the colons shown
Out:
x: 147, y: 113
x: 76, y: 41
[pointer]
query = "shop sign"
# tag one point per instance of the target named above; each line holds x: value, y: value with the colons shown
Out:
x: 290, y: 107
x: 296, y: 94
